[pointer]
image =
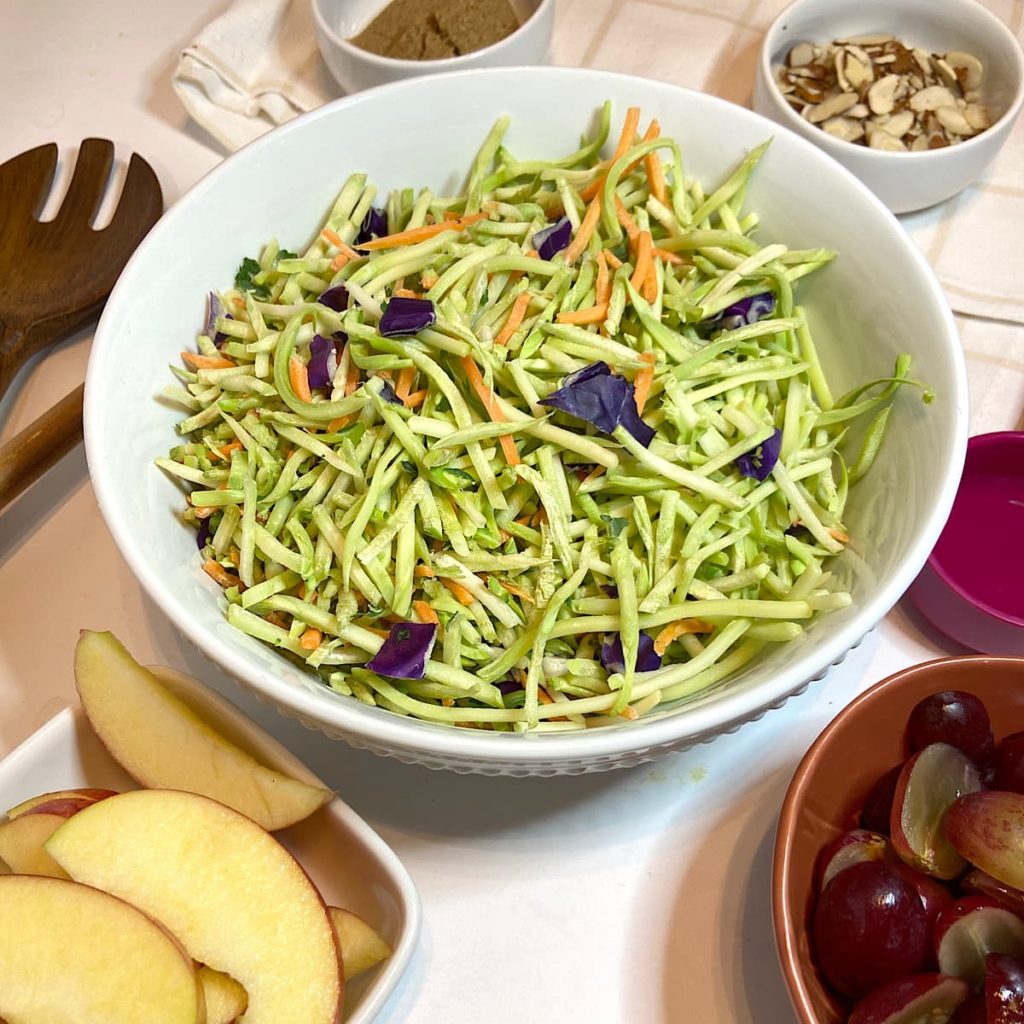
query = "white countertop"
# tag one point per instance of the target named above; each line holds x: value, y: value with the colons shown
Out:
x: 636, y: 896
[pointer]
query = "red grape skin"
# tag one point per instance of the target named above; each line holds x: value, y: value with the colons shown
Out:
x: 875, y: 813
x: 1010, y: 763
x: 869, y: 927
x: 972, y: 1011
x: 957, y: 718
x: 1004, y: 989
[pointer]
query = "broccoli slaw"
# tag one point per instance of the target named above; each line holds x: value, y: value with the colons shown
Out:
x: 538, y: 457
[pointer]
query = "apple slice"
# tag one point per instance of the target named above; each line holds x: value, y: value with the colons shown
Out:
x: 970, y: 929
x: 21, y: 844
x: 50, y: 803
x: 234, y: 896
x: 5, y: 868
x: 361, y: 947
x: 988, y: 829
x: 226, y: 1000
x: 70, y: 953
x: 918, y: 998
x: 929, y: 784
x: 160, y: 741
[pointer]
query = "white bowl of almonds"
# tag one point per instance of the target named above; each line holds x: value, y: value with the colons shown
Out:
x: 914, y: 97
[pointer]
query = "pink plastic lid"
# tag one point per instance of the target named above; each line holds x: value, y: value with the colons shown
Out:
x: 972, y: 588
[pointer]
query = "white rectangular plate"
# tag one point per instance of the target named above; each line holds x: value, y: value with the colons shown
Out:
x: 348, y: 862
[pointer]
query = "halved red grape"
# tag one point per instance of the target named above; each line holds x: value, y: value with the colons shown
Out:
x: 877, y: 809
x: 935, y: 897
x: 954, y: 717
x: 971, y: 1011
x: 869, y: 928
x: 933, y: 998
x: 929, y: 784
x: 1010, y: 763
x: 978, y: 883
x: 970, y: 929
x: 848, y: 849
x: 1004, y: 989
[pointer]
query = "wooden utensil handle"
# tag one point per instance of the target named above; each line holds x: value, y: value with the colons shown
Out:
x: 40, y: 445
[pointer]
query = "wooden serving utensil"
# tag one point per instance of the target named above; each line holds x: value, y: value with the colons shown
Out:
x: 56, y: 276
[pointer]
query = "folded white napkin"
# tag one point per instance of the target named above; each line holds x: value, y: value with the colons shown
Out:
x: 254, y: 67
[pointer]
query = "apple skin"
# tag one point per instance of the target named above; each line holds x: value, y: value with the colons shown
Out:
x: 929, y: 784
x: 70, y: 952
x: 22, y: 844
x: 44, y: 802
x: 163, y: 744
x: 917, y: 997
x: 361, y: 946
x: 988, y: 830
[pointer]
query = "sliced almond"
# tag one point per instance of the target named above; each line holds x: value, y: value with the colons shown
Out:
x: 919, y: 144
x: 840, y: 59
x: 844, y: 128
x: 889, y: 58
x: 832, y: 107
x: 869, y: 40
x: 932, y: 98
x: 881, y: 139
x: 947, y: 74
x: 856, y: 72
x: 923, y: 61
x: 882, y: 94
x: 901, y: 123
x: 953, y: 121
x: 977, y: 117
x: 801, y: 54
x: 861, y: 111
x: 969, y: 70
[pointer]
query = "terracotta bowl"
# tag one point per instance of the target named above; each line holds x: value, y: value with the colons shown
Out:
x: 863, y: 742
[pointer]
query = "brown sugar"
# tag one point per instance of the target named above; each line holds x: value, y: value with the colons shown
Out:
x: 437, y: 29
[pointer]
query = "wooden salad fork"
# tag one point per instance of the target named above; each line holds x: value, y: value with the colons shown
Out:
x: 55, y: 277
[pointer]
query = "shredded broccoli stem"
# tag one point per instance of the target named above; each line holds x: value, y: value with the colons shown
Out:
x: 424, y: 478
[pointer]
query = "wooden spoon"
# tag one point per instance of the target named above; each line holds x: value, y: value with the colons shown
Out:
x: 56, y: 277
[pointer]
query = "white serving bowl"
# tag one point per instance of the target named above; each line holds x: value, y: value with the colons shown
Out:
x: 877, y: 300
x: 354, y: 68
x: 903, y: 181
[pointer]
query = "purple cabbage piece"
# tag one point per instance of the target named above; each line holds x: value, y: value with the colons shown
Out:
x: 335, y: 298
x: 215, y: 308
x: 761, y: 461
x: 406, y: 316
x: 609, y: 590
x: 323, y: 361
x: 601, y: 398
x: 387, y: 392
x: 507, y: 686
x: 404, y: 654
x: 647, y: 659
x: 375, y: 225
x: 740, y: 314
x: 204, y: 533
x: 553, y: 239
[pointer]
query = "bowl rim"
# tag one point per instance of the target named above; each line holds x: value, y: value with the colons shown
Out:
x: 401, y: 64
x: 394, y: 733
x: 785, y: 928
x: 996, y: 439
x: 795, y: 121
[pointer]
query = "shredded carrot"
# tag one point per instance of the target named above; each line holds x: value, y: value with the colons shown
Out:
x: 428, y: 279
x: 204, y: 511
x: 579, y: 243
x: 276, y: 619
x: 385, y: 633
x: 486, y: 396
x: 839, y: 535
x: 613, y: 261
x: 352, y: 381
x: 404, y: 384
x: 344, y: 249
x: 515, y: 318
x: 655, y: 172
x: 643, y: 260
x: 650, y: 288
x: 593, y: 474
x: 643, y: 381
x: 299, y: 377
x: 311, y: 639
x: 540, y: 516
x: 629, y: 127
x: 532, y: 254
x: 416, y: 399
x: 199, y: 362
x: 668, y: 257
x: 626, y: 220
x: 422, y: 234
x: 425, y: 612
x: 449, y: 702
x: 406, y: 293
x: 225, y: 452
x: 217, y: 571
x: 338, y: 262
x: 462, y: 595
x: 517, y: 591
x: 339, y: 423
x: 300, y: 591
x: 604, y: 281
x: 629, y: 713
x: 591, y: 315
x: 676, y: 629
x: 423, y: 571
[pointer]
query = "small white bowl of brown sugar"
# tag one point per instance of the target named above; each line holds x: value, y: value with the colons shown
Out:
x: 371, y: 42
x: 915, y: 97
